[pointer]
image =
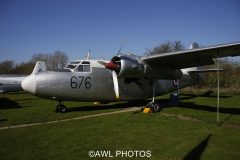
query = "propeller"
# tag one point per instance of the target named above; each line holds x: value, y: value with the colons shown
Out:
x: 113, y: 67
x: 115, y: 83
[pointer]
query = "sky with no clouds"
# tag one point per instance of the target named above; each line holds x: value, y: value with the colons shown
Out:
x: 30, y: 27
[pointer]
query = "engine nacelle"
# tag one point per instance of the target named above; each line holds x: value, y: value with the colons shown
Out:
x: 130, y: 66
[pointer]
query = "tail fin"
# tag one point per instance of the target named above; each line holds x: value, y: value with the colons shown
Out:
x: 194, y: 45
x: 39, y: 67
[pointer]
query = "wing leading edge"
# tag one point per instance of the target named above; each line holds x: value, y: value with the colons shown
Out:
x: 192, y: 57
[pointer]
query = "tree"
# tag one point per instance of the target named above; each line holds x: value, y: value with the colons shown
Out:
x: 23, y: 68
x: 166, y: 47
x: 229, y: 77
x: 177, y: 46
x: 59, y: 60
x: 9, y: 67
x: 55, y: 61
x: 6, y: 66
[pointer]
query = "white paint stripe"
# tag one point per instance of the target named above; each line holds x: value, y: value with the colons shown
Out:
x: 70, y: 119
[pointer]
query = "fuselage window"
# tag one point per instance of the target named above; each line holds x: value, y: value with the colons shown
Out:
x: 84, y: 67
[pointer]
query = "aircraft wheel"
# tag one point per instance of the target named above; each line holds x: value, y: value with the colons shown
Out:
x: 155, y: 107
x: 63, y: 109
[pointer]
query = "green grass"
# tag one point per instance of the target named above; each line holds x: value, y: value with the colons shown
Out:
x: 167, y: 137
x: 22, y: 108
x: 204, y: 108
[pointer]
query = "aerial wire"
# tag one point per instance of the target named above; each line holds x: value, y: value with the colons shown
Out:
x: 218, y: 90
x: 123, y: 42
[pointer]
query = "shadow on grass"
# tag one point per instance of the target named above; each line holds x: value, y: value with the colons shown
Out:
x: 164, y: 103
x: 192, y: 105
x: 6, y: 103
x: 16, y: 93
x: 27, y: 99
x: 190, y: 96
x: 109, y: 106
x: 3, y: 120
x: 197, y: 152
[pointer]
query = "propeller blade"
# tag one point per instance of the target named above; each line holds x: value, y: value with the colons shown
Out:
x: 115, y: 83
x: 112, y: 66
x: 102, y: 63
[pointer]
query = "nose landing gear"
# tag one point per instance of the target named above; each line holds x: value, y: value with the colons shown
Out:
x: 61, y: 108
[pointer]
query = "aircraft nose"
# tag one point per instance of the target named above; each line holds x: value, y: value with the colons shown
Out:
x: 29, y: 84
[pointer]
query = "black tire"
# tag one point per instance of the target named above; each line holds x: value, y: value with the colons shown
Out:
x: 63, y: 109
x: 154, y: 107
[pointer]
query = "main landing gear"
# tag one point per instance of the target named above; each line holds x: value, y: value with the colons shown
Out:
x: 61, y: 108
x: 152, y: 106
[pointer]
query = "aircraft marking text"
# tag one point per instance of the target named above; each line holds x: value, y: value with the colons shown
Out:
x: 76, y: 82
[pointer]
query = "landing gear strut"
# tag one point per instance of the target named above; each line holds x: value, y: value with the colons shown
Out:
x: 152, y: 106
x: 61, y: 108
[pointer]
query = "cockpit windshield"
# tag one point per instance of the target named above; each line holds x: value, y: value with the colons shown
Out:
x: 72, y: 65
x: 79, y: 66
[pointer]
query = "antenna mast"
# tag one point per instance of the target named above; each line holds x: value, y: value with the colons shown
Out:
x: 88, y: 54
x: 123, y: 42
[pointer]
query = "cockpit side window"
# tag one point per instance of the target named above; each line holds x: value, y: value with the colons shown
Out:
x: 84, y: 67
x: 72, y: 65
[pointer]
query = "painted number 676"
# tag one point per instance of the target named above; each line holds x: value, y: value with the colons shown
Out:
x: 77, y: 82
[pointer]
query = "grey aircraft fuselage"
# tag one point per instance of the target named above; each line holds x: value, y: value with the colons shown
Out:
x: 96, y: 85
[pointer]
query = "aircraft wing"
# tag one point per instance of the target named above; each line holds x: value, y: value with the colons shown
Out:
x: 192, y: 57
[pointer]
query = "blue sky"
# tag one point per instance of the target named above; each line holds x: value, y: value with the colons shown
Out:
x: 29, y: 27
